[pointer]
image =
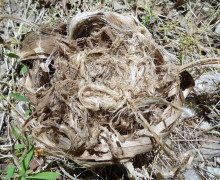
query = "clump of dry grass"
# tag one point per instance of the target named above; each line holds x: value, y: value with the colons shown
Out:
x: 103, y: 91
x: 59, y: 84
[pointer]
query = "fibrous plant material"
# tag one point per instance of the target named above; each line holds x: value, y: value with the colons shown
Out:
x: 103, y: 90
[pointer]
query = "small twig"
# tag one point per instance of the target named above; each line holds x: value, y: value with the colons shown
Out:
x: 64, y: 171
x: 158, y: 139
x: 206, y: 130
x: 19, y: 19
x: 202, y: 62
x: 2, y: 120
x: 5, y: 156
x: 12, y: 106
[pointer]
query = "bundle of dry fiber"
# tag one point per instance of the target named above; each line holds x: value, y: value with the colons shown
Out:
x: 103, y: 90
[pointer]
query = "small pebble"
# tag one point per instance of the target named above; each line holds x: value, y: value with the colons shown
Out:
x: 207, y: 83
x: 217, y: 29
x: 189, y: 113
x: 213, y: 172
x: 218, y: 160
x: 191, y: 174
x: 204, y: 125
x: 205, y: 9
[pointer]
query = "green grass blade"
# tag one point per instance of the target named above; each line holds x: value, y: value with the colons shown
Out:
x: 45, y: 175
x: 181, y: 59
x: 10, y: 172
x: 20, y: 146
x: 24, y: 69
x: 26, y: 161
x: 12, y: 55
x: 17, y: 133
x: 27, y: 113
x: 18, y: 97
x: 28, y: 172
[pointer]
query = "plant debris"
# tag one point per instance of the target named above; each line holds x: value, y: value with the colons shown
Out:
x: 113, y: 121
x: 105, y: 92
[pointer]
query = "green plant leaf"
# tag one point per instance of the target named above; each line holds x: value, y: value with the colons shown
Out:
x: 10, y: 172
x: 30, y: 139
x: 20, y: 146
x: 26, y: 161
x: 28, y: 172
x: 17, y: 133
x: 18, y: 97
x: 24, y: 69
x: 27, y: 113
x: 11, y: 55
x: 45, y: 175
x: 181, y: 59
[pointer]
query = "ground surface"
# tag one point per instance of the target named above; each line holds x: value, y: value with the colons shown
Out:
x: 188, y: 29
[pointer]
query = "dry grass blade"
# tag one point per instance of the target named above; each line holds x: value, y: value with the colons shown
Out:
x: 210, y: 62
x: 14, y: 17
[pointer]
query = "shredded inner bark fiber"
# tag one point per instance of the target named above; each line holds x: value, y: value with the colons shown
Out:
x: 104, y: 92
